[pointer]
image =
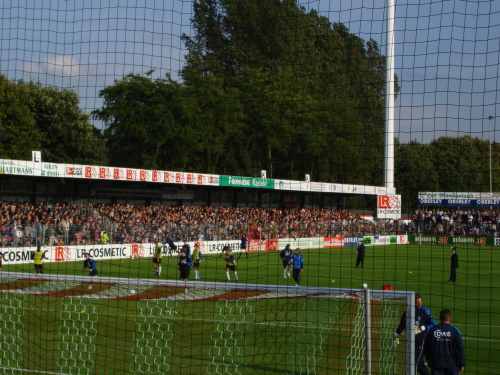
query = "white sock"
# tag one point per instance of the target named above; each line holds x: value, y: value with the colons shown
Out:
x: 227, y: 275
x: 159, y: 270
x: 197, y: 273
x: 236, y: 275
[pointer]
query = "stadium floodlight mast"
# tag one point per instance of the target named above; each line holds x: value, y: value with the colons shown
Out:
x: 389, y: 99
x: 489, y: 144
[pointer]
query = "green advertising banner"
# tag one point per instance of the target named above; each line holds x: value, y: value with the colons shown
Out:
x: 456, y: 241
x: 247, y: 182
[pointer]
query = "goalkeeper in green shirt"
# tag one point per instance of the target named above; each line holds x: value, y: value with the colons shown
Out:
x: 230, y: 264
x: 196, y: 257
x: 157, y: 259
x: 38, y: 259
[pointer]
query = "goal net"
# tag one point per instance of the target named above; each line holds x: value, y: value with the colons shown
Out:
x: 68, y: 325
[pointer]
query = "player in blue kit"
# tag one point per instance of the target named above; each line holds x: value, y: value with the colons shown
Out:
x: 444, y: 348
x: 89, y: 264
x: 184, y: 266
x: 244, y: 246
x: 172, y: 247
x: 297, y: 262
x: 423, y: 323
x: 286, y: 255
x: 187, y: 248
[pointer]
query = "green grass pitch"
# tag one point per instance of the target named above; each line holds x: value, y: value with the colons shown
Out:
x: 192, y: 337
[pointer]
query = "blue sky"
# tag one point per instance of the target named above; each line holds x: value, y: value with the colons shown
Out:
x: 447, y: 52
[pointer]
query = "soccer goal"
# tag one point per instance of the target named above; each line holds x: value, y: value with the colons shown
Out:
x: 78, y: 325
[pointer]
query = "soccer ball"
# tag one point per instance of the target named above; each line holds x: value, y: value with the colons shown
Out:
x: 132, y: 291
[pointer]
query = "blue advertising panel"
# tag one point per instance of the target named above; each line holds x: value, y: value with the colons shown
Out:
x: 460, y: 202
x: 352, y: 241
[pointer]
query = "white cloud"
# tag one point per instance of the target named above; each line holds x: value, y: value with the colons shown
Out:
x: 62, y: 66
x: 31, y: 67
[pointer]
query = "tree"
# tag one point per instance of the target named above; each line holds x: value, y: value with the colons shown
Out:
x: 144, y: 122
x: 462, y: 163
x: 67, y: 136
x: 18, y: 132
x: 291, y: 67
x: 215, y: 116
x: 47, y: 119
x: 414, y: 172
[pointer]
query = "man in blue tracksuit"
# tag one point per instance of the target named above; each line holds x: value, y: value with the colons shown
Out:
x: 297, y: 263
x: 90, y: 265
x: 423, y: 323
x: 184, y: 265
x: 444, y: 348
x: 244, y: 246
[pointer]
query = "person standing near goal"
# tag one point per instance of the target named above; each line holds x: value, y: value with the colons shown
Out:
x: 286, y: 255
x: 297, y: 262
x: 197, y: 257
x: 230, y: 264
x: 454, y: 265
x: 423, y: 323
x: 157, y: 259
x: 184, y: 265
x: 38, y: 259
x: 361, y: 255
x: 444, y: 348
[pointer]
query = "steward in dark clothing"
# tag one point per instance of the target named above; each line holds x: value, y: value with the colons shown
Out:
x: 454, y: 265
x: 361, y: 255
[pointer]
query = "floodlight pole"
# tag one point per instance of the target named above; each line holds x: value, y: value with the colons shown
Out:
x: 491, y: 170
x: 389, y: 100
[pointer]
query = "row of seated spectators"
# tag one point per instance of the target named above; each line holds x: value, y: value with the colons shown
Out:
x: 53, y: 223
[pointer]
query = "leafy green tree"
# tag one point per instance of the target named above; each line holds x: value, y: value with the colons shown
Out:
x: 18, y: 132
x: 215, y: 116
x: 67, y: 136
x: 47, y: 119
x: 144, y: 120
x: 462, y: 163
x: 291, y: 67
x: 414, y: 172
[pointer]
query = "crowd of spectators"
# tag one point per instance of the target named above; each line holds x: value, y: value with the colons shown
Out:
x: 52, y: 223
x: 438, y: 222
